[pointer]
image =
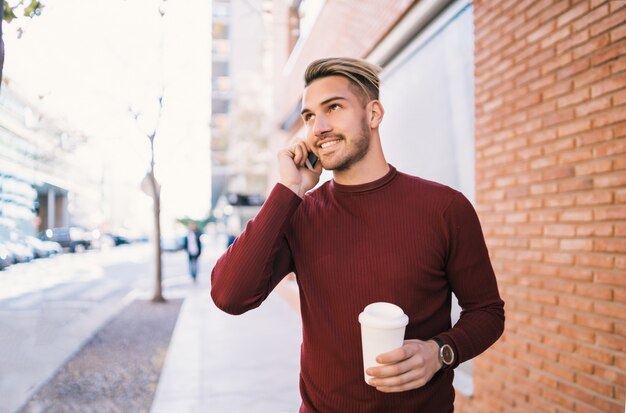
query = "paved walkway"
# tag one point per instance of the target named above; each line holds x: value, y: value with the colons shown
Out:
x: 219, y: 363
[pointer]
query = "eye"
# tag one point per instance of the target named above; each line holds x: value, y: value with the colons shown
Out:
x: 334, y: 106
x: 307, y: 117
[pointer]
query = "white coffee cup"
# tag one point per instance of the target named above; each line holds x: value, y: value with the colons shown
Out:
x: 382, y: 330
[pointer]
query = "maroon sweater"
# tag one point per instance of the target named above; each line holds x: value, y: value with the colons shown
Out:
x: 399, y: 239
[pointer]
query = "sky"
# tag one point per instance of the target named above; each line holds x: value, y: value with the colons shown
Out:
x: 86, y: 63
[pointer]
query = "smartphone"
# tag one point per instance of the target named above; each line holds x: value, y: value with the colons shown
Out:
x: 311, y: 160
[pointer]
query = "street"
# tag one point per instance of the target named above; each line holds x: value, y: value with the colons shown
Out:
x: 50, y: 307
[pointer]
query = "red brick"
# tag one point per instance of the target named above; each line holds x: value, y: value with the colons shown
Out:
x: 543, y: 242
x: 549, y: 13
x: 613, y: 20
x: 575, y: 156
x: 607, y: 85
x: 595, y: 260
x: 595, y: 198
x: 611, y: 341
x: 561, y: 200
x: 577, y: 245
x: 619, y: 98
x: 572, y: 69
x: 598, y: 292
x: 572, y: 13
x: 596, y: 229
x: 562, y: 116
x: 616, y: 179
x: 542, y: 189
x: 560, y: 230
x: 574, y: 128
x: 615, y: 278
x: 576, y: 215
x: 614, y: 245
x: 609, y: 309
x: 595, y: 167
x: 607, y: 54
x: 591, y: 46
x: 560, y: 372
x: 618, y: 33
x: 555, y: 37
x: 594, y: 322
x: 550, y: 396
x: 618, y: 65
x: 595, y: 106
x: 577, y: 364
x: 576, y: 273
x: 594, y: 353
x: 613, y: 147
x: 576, y: 303
x: 558, y: 172
x: 610, y: 213
x: 575, y: 184
x: 620, y: 130
x: 558, y: 258
x: 620, y: 229
x: 546, y: 270
x: 594, y: 136
x: 592, y: 75
x: 549, y: 67
x: 572, y: 41
x: 591, y: 17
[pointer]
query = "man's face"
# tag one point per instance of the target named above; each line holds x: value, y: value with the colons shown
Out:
x: 335, y: 120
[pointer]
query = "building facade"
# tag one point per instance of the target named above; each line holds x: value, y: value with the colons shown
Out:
x: 241, y: 98
x: 44, y: 181
x: 522, y: 107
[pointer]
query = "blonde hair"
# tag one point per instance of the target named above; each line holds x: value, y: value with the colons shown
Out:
x: 361, y: 74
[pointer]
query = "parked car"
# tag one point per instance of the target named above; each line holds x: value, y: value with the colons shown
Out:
x: 43, y: 249
x: 113, y: 239
x: 21, y: 252
x: 72, y: 238
x: 6, y: 258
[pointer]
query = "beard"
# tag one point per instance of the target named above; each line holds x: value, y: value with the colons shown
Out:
x: 359, y: 147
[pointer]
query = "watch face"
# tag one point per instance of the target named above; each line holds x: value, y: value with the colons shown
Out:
x: 447, y: 355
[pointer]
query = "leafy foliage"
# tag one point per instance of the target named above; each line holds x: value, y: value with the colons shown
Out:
x: 31, y: 8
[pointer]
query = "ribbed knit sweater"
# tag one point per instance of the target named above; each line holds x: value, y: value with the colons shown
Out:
x: 399, y: 239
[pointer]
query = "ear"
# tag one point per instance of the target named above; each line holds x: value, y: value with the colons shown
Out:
x: 376, y: 113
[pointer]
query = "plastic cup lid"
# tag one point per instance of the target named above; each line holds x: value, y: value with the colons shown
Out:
x: 383, y: 315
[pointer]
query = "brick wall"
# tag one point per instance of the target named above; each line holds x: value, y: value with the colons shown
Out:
x: 551, y: 194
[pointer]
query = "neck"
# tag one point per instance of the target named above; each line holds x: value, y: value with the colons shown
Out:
x: 373, y: 166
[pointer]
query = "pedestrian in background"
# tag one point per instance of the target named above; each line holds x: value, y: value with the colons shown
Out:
x: 370, y: 234
x: 193, y: 246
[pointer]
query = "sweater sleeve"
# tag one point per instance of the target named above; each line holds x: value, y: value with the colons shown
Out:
x: 473, y: 281
x: 259, y: 258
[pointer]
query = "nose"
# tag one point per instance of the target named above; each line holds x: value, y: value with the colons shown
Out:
x: 322, y: 125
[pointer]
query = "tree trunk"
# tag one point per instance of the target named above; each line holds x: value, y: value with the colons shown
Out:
x: 156, y: 202
x: 1, y: 40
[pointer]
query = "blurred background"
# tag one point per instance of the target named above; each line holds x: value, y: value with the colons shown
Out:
x: 518, y: 104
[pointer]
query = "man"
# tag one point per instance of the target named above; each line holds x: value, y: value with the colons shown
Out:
x: 371, y: 234
x: 193, y: 246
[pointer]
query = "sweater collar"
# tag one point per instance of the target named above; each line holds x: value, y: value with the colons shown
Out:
x: 368, y: 186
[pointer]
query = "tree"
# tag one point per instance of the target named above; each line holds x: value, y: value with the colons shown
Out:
x: 154, y: 190
x: 31, y: 9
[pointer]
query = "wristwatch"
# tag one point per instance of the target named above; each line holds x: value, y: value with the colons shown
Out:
x: 446, y: 353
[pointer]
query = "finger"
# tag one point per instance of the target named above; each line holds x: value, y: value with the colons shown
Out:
x: 304, y: 150
x: 413, y: 384
x: 392, y: 370
x: 397, y: 355
x: 298, y: 158
x: 397, y: 380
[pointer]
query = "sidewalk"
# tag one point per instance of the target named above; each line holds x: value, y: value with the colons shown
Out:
x: 219, y: 363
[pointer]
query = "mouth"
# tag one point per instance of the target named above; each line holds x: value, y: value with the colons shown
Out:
x: 330, y: 141
x: 328, y: 144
